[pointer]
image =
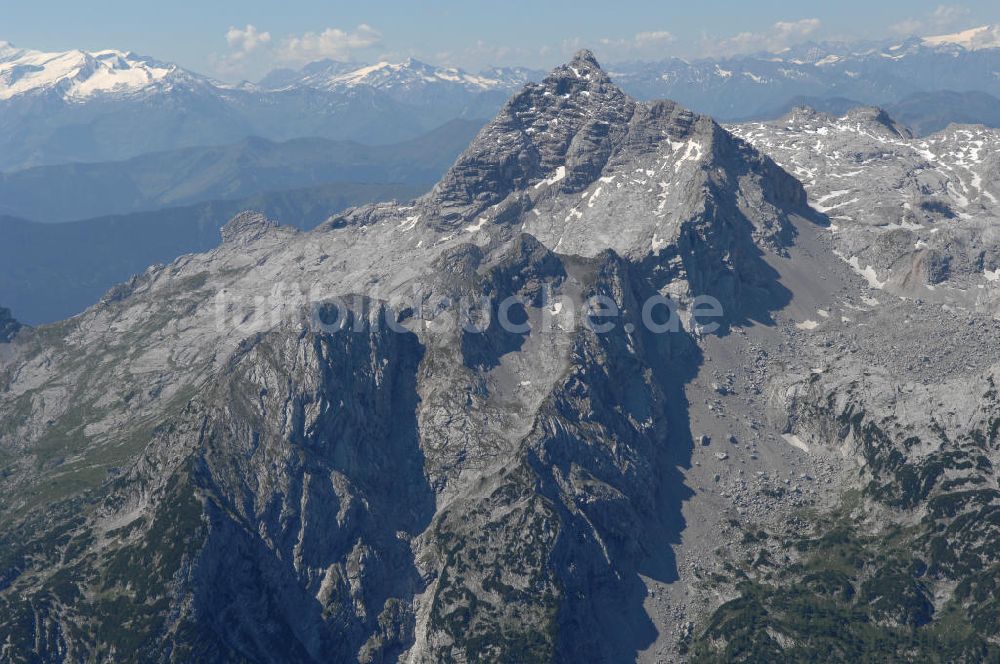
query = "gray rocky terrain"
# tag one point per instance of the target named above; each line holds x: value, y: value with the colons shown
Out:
x: 914, y: 216
x: 325, y: 446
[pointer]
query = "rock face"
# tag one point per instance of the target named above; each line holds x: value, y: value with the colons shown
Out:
x: 456, y: 430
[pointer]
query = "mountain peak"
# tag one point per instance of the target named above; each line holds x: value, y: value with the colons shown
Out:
x: 875, y: 116
x: 415, y: 63
x: 585, y: 57
x: 871, y: 118
x: 974, y: 39
x: 572, y: 112
x: 79, y: 74
x: 584, y: 66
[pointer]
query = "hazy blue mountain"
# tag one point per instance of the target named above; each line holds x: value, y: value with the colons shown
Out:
x: 288, y: 77
x: 112, y: 105
x: 882, y: 73
x: 46, y: 276
x: 68, y: 107
x: 928, y: 112
x: 192, y: 175
x: 8, y: 325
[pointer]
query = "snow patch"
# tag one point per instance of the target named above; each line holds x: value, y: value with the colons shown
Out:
x: 868, y: 272
x: 795, y: 441
x: 472, y: 228
x: 559, y: 175
x: 409, y: 223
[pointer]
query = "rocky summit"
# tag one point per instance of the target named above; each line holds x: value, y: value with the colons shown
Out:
x: 611, y: 391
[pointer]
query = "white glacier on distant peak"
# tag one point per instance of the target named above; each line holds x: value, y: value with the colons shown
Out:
x: 79, y: 74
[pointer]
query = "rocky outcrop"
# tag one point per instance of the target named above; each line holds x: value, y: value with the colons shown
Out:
x: 246, y: 227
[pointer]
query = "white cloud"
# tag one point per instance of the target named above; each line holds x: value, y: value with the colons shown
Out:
x: 907, y: 27
x: 480, y: 54
x: 330, y: 43
x: 641, y: 45
x: 253, y: 52
x: 942, y: 19
x: 803, y: 28
x: 781, y: 35
x: 248, y: 39
x: 949, y: 14
x: 656, y: 37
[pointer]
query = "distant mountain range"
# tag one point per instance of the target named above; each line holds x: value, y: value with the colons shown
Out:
x: 400, y: 80
x: 928, y: 112
x: 251, y: 166
x: 753, y: 86
x: 111, y: 105
x: 922, y: 112
x: 154, y: 208
x: 78, y: 75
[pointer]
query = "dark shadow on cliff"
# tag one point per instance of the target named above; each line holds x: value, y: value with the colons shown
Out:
x: 613, y: 468
x: 308, y: 521
x: 641, y: 539
x: 723, y: 251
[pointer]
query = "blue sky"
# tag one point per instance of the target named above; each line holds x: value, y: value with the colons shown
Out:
x: 244, y: 39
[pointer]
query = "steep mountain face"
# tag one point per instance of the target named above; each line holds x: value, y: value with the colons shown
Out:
x: 915, y: 216
x: 606, y: 393
x: 222, y: 470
